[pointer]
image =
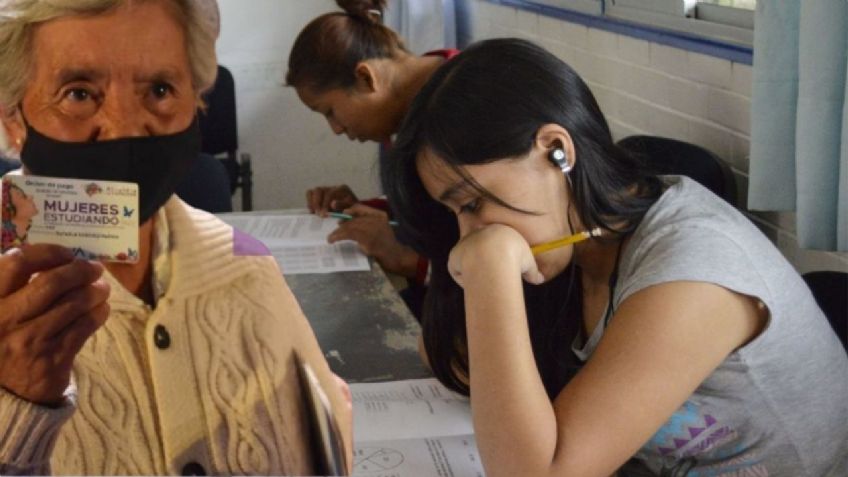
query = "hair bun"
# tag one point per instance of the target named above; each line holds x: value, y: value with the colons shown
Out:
x: 371, y: 10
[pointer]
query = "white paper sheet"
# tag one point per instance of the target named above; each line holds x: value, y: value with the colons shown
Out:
x: 413, y: 428
x: 408, y: 409
x: 284, y: 229
x: 453, y: 456
x: 320, y: 258
x: 299, y: 242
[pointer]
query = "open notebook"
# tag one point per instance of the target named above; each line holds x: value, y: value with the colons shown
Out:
x: 412, y: 428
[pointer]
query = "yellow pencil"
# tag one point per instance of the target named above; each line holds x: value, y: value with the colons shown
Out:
x: 578, y: 237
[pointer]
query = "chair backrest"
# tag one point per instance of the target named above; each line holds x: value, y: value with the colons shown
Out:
x: 219, y: 132
x: 218, y: 124
x: 831, y: 292
x: 207, y: 186
x: 7, y: 165
x: 670, y: 156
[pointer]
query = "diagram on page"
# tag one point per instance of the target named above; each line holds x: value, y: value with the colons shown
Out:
x: 413, y: 428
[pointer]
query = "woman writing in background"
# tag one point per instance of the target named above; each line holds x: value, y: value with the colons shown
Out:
x: 356, y: 72
x: 704, y: 352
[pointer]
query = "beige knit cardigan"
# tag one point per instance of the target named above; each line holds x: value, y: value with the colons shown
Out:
x: 221, y: 398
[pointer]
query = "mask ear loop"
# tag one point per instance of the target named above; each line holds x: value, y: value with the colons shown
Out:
x: 18, y: 141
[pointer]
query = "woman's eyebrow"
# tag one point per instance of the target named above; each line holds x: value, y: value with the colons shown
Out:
x: 165, y: 74
x: 69, y: 75
x: 451, y: 192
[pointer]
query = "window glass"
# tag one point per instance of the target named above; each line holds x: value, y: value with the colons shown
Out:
x: 744, y: 4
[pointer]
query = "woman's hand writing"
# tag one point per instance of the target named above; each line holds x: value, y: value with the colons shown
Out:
x: 376, y: 238
x: 321, y: 200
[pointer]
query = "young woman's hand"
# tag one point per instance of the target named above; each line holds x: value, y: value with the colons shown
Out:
x: 321, y: 200
x: 491, y: 250
x: 371, y: 230
x: 50, y: 304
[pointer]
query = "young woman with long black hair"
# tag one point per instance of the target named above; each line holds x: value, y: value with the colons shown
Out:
x: 702, y: 351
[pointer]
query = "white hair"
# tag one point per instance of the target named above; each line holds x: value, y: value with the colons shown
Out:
x: 200, y: 19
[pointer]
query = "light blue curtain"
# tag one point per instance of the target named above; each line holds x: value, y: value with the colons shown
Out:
x: 799, y: 117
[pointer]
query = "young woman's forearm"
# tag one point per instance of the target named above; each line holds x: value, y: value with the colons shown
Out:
x: 513, y: 417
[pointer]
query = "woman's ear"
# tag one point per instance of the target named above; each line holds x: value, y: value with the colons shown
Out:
x: 552, y: 137
x: 367, y: 77
x: 13, y: 129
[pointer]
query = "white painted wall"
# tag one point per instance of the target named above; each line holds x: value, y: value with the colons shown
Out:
x: 292, y: 147
x: 648, y: 88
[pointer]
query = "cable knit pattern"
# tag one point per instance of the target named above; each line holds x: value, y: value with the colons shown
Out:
x: 224, y: 394
x: 20, y: 421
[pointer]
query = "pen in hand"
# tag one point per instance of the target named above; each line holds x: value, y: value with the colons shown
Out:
x: 341, y: 216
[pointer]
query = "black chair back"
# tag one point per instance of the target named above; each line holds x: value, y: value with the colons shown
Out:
x: 7, y: 165
x: 831, y: 292
x: 207, y: 186
x: 218, y: 123
x: 219, y: 131
x: 670, y: 156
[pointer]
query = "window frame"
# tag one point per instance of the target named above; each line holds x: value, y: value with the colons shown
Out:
x: 629, y: 18
x: 590, y: 7
x: 711, y: 22
x: 738, y: 17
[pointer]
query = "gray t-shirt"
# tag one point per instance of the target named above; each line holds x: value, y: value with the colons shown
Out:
x: 777, y: 406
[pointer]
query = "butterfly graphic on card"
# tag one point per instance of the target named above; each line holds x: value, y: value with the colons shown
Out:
x: 128, y: 212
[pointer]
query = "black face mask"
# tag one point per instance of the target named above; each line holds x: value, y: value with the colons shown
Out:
x: 156, y: 163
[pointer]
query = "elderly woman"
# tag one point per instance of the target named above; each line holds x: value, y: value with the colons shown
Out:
x: 185, y: 361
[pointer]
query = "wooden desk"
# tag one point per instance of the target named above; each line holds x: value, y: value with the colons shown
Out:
x: 363, y: 326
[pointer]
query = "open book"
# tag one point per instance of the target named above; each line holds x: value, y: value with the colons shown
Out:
x: 414, y: 428
x: 299, y: 242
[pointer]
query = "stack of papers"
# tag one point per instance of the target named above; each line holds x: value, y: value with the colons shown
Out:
x: 299, y: 242
x: 413, y: 428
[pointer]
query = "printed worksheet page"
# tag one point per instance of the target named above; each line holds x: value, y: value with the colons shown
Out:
x: 453, y: 456
x: 299, y: 242
x: 320, y: 258
x: 284, y: 230
x: 408, y: 409
x: 412, y: 428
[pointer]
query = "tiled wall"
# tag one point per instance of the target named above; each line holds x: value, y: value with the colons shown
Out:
x: 648, y: 88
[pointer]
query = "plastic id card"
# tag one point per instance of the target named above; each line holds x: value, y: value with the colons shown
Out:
x: 98, y: 220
